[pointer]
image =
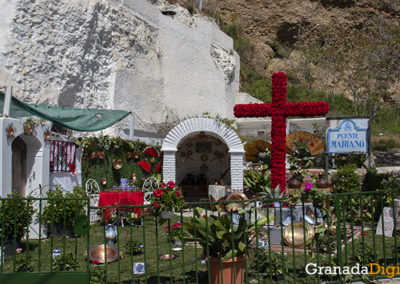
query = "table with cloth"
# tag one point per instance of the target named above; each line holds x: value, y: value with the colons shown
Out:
x: 216, y: 192
x: 121, y: 198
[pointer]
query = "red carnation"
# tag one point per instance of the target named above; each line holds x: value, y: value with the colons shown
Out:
x: 163, y: 185
x: 158, y: 167
x: 204, y: 216
x: 176, y: 225
x: 171, y: 184
x: 73, y: 167
x: 144, y: 165
x: 158, y: 192
x: 157, y: 205
x: 166, y: 229
x: 178, y: 193
x: 151, y: 152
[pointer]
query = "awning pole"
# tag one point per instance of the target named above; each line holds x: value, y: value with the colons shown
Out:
x: 132, y: 129
x: 7, y: 101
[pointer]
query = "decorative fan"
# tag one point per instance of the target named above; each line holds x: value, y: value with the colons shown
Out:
x: 314, y: 143
x: 254, y: 148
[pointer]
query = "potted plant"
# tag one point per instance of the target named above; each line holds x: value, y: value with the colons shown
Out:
x: 65, y: 262
x: 257, y: 180
x: 16, y: 215
x: 23, y: 264
x: 224, y: 243
x: 59, y: 209
x: 166, y: 200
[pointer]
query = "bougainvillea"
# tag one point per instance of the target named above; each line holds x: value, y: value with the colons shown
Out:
x: 279, y: 109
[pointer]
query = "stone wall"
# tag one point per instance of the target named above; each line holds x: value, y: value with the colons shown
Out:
x: 118, y: 54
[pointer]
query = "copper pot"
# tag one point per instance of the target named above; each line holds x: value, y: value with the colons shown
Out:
x: 93, y: 156
x: 10, y: 131
x: 103, y: 181
x: 136, y: 155
x: 129, y: 155
x: 100, y: 155
x: 28, y: 129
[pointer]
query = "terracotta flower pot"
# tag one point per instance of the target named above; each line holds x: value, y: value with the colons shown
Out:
x: 227, y: 270
x: 29, y: 129
x: 129, y: 155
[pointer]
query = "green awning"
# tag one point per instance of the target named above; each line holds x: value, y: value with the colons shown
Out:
x: 68, y: 117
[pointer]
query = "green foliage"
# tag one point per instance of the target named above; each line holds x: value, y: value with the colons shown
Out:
x: 133, y: 247
x: 167, y: 198
x: 97, y: 275
x: 354, y: 159
x: 391, y: 181
x: 22, y: 262
x: 220, y: 236
x: 270, y: 264
x: 257, y: 180
x: 54, y: 210
x: 114, y: 147
x: 241, y: 43
x: 189, y: 6
x: 65, y: 262
x: 384, y: 144
x: 346, y: 179
x: 364, y: 253
x: 15, y: 210
x: 373, y: 180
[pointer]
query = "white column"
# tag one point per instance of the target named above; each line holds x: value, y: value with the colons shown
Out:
x: 237, y: 172
x: 169, y: 166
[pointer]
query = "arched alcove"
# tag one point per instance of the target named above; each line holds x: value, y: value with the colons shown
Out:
x: 209, y: 127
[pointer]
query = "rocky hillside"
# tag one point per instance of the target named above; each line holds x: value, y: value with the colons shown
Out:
x: 272, y: 24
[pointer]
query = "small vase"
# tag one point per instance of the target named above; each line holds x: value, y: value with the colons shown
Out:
x: 167, y: 214
x: 111, y: 233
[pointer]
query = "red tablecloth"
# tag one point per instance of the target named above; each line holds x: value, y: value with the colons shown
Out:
x: 121, y: 198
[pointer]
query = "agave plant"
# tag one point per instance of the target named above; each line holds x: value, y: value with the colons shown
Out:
x: 257, y: 180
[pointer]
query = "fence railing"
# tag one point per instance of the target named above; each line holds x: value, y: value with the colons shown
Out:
x: 338, y: 238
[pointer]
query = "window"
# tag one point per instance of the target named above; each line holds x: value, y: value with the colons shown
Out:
x: 62, y: 156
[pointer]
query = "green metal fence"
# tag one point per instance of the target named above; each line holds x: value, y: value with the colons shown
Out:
x: 343, y: 235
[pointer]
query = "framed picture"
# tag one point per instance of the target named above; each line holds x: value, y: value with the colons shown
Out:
x: 138, y: 268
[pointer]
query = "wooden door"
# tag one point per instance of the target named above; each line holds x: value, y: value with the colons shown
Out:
x: 19, y: 166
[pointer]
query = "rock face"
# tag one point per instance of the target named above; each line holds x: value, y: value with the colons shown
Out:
x: 268, y: 22
x: 118, y: 55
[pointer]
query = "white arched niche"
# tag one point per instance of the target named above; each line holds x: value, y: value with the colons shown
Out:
x: 215, y: 128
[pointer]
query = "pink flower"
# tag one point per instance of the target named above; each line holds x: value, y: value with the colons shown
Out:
x: 158, y: 192
x: 308, y: 186
x: 166, y: 229
x: 19, y: 250
x: 163, y: 185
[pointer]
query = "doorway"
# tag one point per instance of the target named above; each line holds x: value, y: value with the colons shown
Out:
x: 19, y: 151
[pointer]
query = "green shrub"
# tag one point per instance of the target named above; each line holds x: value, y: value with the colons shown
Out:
x: 65, y: 262
x: 373, y: 180
x: 257, y: 180
x: 15, y: 211
x: 384, y: 144
x: 190, y: 8
x: 346, y: 179
x: 54, y: 210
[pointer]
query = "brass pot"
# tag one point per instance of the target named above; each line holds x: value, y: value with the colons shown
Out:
x: 47, y: 135
x: 103, y: 181
x: 117, y: 163
x: 297, y: 238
